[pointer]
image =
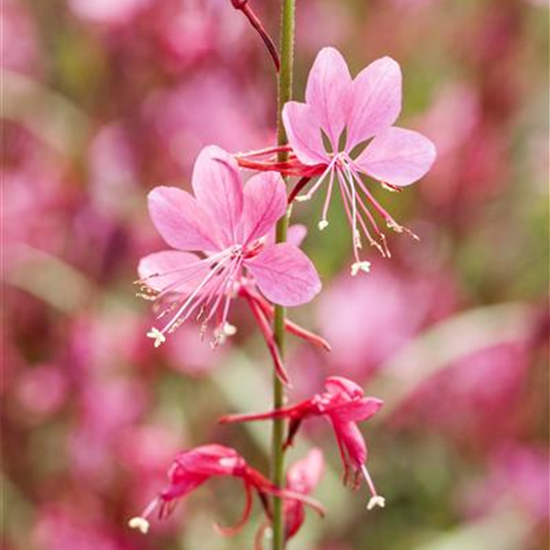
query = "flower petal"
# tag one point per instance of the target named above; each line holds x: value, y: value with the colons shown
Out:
x: 397, y: 156
x: 352, y: 439
x: 304, y: 133
x: 285, y: 275
x: 264, y: 204
x: 338, y: 385
x: 358, y: 411
x: 181, y: 271
x: 181, y: 221
x: 328, y: 91
x: 376, y: 100
x: 295, y: 235
x: 218, y: 187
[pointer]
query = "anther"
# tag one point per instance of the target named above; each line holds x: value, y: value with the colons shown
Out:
x: 139, y: 523
x: 360, y: 266
x: 323, y: 224
x: 157, y: 336
x: 375, y: 501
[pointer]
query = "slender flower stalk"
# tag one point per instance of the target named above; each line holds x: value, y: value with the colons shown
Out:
x: 244, y: 6
x: 284, y: 93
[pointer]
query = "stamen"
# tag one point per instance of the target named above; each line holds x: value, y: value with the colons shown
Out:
x: 318, y: 183
x: 376, y: 499
x: 383, y: 247
x: 229, y: 330
x: 157, y: 336
x: 360, y: 266
x: 139, y: 523
x: 357, y: 239
x: 323, y: 224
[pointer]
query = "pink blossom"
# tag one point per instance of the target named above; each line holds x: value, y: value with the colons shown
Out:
x: 378, y: 318
x: 42, y: 389
x: 343, y: 404
x: 486, y: 384
x: 192, y: 468
x: 302, y: 477
x: 73, y: 527
x: 19, y: 48
x: 341, y: 115
x: 108, y: 12
x: 230, y: 225
x: 517, y: 474
x: 207, y: 108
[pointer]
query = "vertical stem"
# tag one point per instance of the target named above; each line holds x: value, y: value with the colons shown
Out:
x: 284, y: 95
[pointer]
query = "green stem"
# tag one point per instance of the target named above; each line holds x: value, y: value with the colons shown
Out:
x: 284, y: 95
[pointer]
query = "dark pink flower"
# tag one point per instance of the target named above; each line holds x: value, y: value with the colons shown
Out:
x: 343, y: 404
x: 230, y: 225
x: 302, y: 477
x: 339, y: 117
x: 192, y: 468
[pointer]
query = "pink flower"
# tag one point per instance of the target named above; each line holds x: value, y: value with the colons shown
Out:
x: 108, y: 12
x: 192, y: 468
x: 302, y: 477
x: 343, y: 404
x: 341, y: 115
x: 230, y: 225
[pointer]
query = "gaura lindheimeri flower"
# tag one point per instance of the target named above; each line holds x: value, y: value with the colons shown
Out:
x: 343, y: 404
x: 230, y: 226
x: 302, y: 477
x: 330, y: 130
x: 192, y: 468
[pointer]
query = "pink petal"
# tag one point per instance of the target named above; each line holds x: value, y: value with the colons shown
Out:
x: 303, y: 476
x: 285, y: 275
x: 397, y: 156
x: 360, y: 410
x: 329, y: 88
x: 218, y: 187
x: 376, y: 100
x: 264, y: 204
x: 295, y: 235
x: 353, y: 441
x: 304, y: 133
x: 338, y: 385
x: 171, y: 268
x: 181, y: 220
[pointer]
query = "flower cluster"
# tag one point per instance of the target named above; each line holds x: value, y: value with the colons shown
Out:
x: 222, y: 241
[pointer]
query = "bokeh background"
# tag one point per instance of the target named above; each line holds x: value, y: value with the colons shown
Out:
x: 102, y: 100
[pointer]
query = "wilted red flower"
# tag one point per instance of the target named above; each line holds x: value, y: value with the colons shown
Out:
x: 343, y: 404
x: 192, y: 468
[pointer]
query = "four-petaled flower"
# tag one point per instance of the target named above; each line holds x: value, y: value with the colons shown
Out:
x: 331, y: 129
x: 230, y: 225
x: 343, y: 404
x: 192, y: 468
